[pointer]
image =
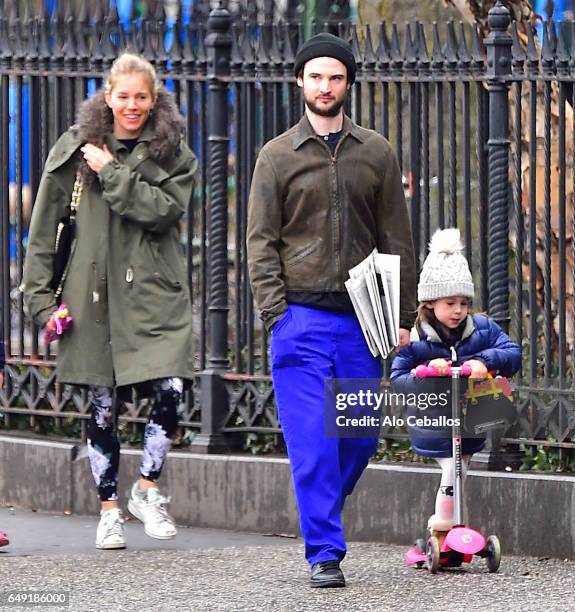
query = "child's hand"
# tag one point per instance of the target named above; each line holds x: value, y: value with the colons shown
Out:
x: 441, y: 366
x: 478, y: 368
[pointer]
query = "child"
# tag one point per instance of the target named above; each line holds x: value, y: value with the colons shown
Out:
x: 3, y: 537
x: 446, y: 332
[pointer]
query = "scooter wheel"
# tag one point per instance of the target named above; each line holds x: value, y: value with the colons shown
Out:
x: 493, y: 553
x: 420, y: 546
x: 433, y: 553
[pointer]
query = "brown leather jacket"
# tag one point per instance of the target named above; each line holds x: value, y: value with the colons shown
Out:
x: 312, y: 217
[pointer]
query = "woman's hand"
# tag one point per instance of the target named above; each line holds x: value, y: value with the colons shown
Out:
x: 478, y: 368
x: 59, y: 321
x: 96, y: 157
x: 440, y: 365
x: 51, y: 324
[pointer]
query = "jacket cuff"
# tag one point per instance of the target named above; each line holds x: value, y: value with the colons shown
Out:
x: 107, y: 172
x: 406, y: 319
x: 271, y: 316
x: 43, y: 316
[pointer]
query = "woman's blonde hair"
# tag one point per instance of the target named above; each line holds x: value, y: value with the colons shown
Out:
x: 129, y: 63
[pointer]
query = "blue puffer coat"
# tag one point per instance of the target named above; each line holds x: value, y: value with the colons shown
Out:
x: 482, y: 339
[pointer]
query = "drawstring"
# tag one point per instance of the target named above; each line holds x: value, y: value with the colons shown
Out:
x: 453, y: 355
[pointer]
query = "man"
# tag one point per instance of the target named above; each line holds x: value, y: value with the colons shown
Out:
x: 324, y: 194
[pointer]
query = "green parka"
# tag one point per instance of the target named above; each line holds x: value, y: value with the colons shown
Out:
x: 127, y: 285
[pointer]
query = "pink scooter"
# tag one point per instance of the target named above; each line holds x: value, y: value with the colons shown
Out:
x: 461, y: 542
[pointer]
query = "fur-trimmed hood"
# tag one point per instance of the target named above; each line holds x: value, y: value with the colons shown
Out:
x: 95, y: 121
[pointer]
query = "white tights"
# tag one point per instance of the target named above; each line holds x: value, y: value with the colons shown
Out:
x: 444, y: 500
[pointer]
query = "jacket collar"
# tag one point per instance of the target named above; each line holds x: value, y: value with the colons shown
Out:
x: 304, y: 131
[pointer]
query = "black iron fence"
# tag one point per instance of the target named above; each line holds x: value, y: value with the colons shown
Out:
x: 485, y: 136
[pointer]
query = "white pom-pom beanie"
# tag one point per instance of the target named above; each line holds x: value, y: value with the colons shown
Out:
x: 445, y: 272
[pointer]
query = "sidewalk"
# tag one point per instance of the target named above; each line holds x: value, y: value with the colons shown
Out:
x: 209, y: 570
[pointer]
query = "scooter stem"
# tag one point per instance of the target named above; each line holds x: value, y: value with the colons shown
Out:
x: 456, y: 447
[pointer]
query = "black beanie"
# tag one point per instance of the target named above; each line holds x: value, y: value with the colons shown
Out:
x: 326, y: 45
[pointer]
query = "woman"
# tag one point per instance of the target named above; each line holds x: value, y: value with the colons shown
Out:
x: 126, y: 286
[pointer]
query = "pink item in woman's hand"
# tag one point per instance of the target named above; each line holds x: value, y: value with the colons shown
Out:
x: 62, y: 321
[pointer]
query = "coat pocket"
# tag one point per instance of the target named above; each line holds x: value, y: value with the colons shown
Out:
x: 301, y: 253
x: 164, y: 271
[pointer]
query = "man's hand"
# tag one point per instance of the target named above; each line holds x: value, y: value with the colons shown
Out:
x: 404, y: 339
x: 1, y: 379
x: 478, y: 368
x: 96, y: 157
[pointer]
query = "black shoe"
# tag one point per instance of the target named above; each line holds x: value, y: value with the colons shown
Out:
x: 327, y: 574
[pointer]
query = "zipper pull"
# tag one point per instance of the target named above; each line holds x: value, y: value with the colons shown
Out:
x: 129, y: 275
x: 453, y: 355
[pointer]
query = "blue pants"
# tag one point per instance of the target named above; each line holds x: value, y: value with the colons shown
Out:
x: 307, y: 346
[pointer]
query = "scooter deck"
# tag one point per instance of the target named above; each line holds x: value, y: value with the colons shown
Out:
x: 463, y: 541
x: 449, y: 558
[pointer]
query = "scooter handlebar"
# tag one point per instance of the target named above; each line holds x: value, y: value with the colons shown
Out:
x: 425, y: 371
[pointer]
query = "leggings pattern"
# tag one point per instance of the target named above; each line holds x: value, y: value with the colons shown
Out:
x: 104, y: 445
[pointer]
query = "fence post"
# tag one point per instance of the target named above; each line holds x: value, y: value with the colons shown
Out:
x: 5, y: 64
x: 498, y: 44
x: 214, y: 397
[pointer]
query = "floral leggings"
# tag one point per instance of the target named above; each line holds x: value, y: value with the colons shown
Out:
x: 104, y: 445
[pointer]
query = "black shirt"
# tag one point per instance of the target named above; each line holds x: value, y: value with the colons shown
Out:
x: 129, y: 143
x: 331, y: 140
x: 450, y: 336
x: 334, y: 301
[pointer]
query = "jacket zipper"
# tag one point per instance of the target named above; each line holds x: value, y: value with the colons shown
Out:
x: 338, y: 233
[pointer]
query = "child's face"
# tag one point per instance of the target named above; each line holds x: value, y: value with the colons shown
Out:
x: 450, y: 311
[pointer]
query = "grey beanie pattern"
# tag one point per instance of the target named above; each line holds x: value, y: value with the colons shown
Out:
x: 445, y: 272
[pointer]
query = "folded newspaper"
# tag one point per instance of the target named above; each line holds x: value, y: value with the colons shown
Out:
x: 373, y: 287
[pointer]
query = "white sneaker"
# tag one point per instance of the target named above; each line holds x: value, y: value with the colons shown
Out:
x: 150, y: 507
x: 110, y: 533
x: 435, y: 523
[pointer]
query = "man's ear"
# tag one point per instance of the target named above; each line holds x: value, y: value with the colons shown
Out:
x: 299, y: 81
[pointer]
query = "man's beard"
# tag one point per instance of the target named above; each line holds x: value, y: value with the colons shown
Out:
x: 331, y: 111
